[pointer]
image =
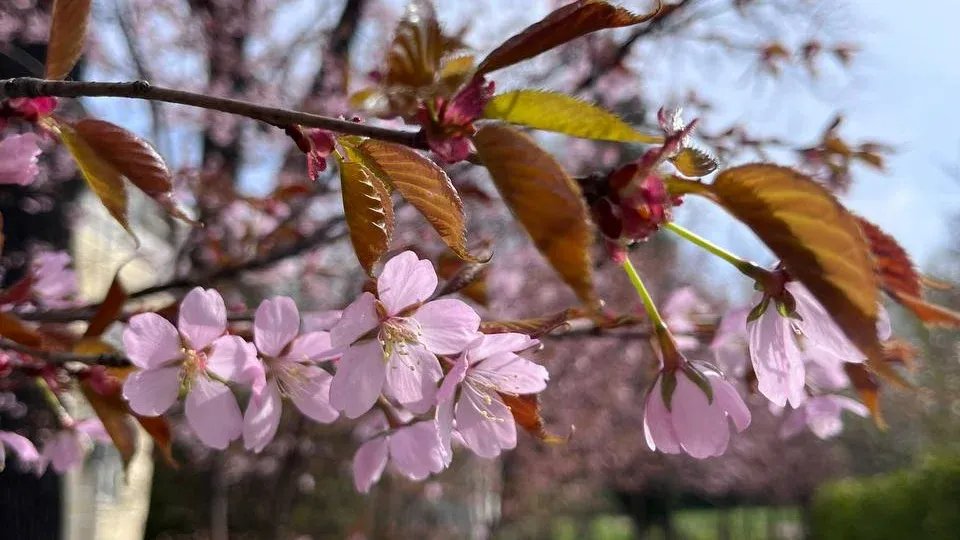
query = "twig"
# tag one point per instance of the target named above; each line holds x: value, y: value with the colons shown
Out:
x: 30, y: 87
x: 60, y: 358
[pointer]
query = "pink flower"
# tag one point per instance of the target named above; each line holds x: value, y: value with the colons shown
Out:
x: 54, y: 283
x: 488, y: 368
x: 414, y: 450
x: 780, y: 346
x: 67, y: 448
x: 26, y: 453
x: 32, y: 109
x: 821, y: 414
x: 18, y: 159
x: 392, y: 340
x: 448, y: 125
x: 687, y: 420
x: 681, y: 311
x: 729, y: 345
x: 286, y: 369
x: 199, y: 358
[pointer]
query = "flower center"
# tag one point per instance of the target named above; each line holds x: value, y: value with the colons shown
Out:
x: 194, y: 365
x: 398, y: 332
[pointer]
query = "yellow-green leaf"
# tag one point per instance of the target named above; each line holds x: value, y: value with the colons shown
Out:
x: 817, y: 239
x: 553, y: 111
x: 68, y: 30
x: 424, y: 185
x: 694, y: 163
x: 545, y: 200
x: 368, y: 211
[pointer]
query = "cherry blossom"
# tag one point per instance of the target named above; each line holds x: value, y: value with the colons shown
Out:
x: 686, y: 419
x: 26, y: 452
x: 18, y: 159
x: 414, y: 450
x: 821, y: 414
x: 285, y: 369
x: 680, y: 311
x: 729, y: 344
x: 194, y: 356
x: 488, y: 368
x: 390, y: 341
x: 54, y: 282
x: 67, y: 448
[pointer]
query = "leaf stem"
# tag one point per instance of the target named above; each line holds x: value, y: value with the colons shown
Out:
x: 747, y: 268
x: 668, y: 347
x: 63, y: 417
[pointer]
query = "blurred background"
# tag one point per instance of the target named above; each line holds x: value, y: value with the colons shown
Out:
x: 858, y: 93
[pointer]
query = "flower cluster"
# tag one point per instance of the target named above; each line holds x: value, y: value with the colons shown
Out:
x: 448, y: 124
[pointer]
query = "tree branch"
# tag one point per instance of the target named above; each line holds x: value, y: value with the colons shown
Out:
x: 30, y: 87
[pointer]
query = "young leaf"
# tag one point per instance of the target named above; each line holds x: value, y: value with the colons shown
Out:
x: 526, y: 413
x: 694, y: 163
x: 817, y: 239
x: 418, y: 45
x: 107, y: 402
x: 545, y: 200
x: 132, y: 157
x: 68, y: 30
x: 563, y: 25
x: 109, y: 309
x: 104, y: 179
x: 553, y: 111
x: 369, y: 213
x: 537, y: 327
x: 869, y: 389
x: 13, y: 329
x: 424, y: 185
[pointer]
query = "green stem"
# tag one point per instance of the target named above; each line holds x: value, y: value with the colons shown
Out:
x: 648, y: 304
x: 747, y: 268
x: 54, y: 402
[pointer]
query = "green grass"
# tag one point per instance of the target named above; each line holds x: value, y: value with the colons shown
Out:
x: 743, y: 523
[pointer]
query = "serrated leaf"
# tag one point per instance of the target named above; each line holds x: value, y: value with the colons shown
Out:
x: 817, y: 239
x: 68, y: 31
x: 13, y: 329
x: 424, y: 185
x: 132, y: 157
x: 417, y: 47
x: 368, y: 211
x: 104, y: 179
x: 694, y: 163
x: 563, y: 25
x: 553, y: 111
x: 545, y: 200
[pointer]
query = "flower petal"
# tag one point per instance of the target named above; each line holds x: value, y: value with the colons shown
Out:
x: 359, y: 318
x: 819, y: 329
x: 701, y: 427
x: 489, y: 344
x: 213, y: 413
x: 777, y: 359
x: 727, y: 397
x: 368, y: 463
x: 275, y: 324
x: 321, y: 320
x: 359, y: 379
x: 262, y: 418
x: 405, y: 372
x: 416, y: 450
x: 26, y: 452
x: 231, y: 357
x: 486, y: 428
x: 448, y: 326
x: 452, y: 380
x: 310, y: 392
x: 203, y: 317
x: 513, y: 374
x: 310, y: 347
x: 152, y: 391
x: 405, y: 280
x: 657, y: 423
x: 150, y: 341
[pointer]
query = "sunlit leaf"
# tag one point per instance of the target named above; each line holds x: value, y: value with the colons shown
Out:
x: 928, y: 313
x: 13, y: 329
x: 694, y: 163
x: 133, y: 158
x: 414, y: 55
x: 545, y: 200
x: 536, y: 327
x: 526, y: 413
x: 819, y: 242
x: 426, y: 186
x: 68, y: 30
x: 368, y: 211
x: 565, y: 24
x: 869, y: 389
x: 109, y: 309
x: 553, y: 111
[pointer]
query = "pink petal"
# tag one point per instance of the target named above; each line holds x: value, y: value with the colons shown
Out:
x: 823, y: 416
x: 25, y: 450
x: 513, y: 374
x: 727, y: 397
x: 203, y: 317
x: 359, y: 379
x: 230, y: 358
x: 448, y: 326
x: 405, y: 280
x: 150, y: 341
x: 657, y: 423
x: 321, y: 320
x: 18, y: 159
x: 368, y: 463
x: 819, y: 329
x: 213, y: 413
x: 359, y: 318
x: 430, y: 376
x: 92, y: 427
x: 452, y: 380
x: 489, y: 344
x: 275, y: 324
x: 64, y: 451
x: 416, y: 450
x: 262, y: 418
x: 777, y: 359
x: 701, y: 427
x: 311, y: 393
x: 152, y: 391
x: 851, y: 405
x: 444, y: 418
x: 310, y: 347
x: 487, y: 432
x: 404, y: 373
x: 794, y: 424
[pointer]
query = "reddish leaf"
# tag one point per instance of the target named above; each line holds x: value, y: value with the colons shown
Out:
x: 417, y: 47
x: 13, y: 329
x: 369, y: 213
x: 536, y: 327
x: 928, y: 313
x: 68, y: 30
x: 545, y: 200
x: 869, y: 389
x: 466, y: 278
x: 109, y: 309
x: 894, y: 267
x: 563, y: 25
x: 526, y: 412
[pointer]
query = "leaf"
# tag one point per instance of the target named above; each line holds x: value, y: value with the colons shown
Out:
x: 417, y: 47
x: 104, y: 179
x: 894, y: 268
x: 369, y: 213
x: 819, y: 242
x: 133, y: 158
x: 526, y: 412
x: 535, y: 327
x: 68, y: 30
x: 563, y: 25
x: 109, y: 309
x: 928, y: 313
x: 868, y: 388
x: 468, y: 279
x: 13, y: 329
x: 694, y: 163
x: 427, y: 187
x: 545, y: 200
x: 553, y: 111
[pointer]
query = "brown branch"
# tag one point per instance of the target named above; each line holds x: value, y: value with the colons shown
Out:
x: 60, y: 358
x: 30, y: 87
